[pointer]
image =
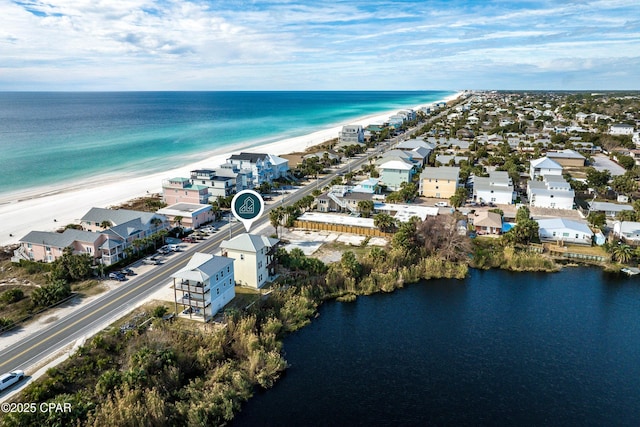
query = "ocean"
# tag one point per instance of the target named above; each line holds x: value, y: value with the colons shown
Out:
x: 54, y: 138
x: 494, y: 349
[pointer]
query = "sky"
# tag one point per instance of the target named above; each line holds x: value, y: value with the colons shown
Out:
x: 107, y: 45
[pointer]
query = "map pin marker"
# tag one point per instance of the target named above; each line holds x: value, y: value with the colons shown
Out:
x: 247, y: 206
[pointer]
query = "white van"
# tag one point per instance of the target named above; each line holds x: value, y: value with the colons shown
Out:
x: 7, y: 380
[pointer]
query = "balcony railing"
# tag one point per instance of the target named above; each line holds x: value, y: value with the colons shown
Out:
x: 192, y: 288
x: 193, y: 302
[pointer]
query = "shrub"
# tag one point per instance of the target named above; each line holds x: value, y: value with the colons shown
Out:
x: 11, y: 296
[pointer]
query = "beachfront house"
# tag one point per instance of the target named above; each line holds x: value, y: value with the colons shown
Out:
x: 188, y: 215
x: 440, y: 182
x: 351, y: 135
x: 254, y: 257
x: 44, y: 246
x: 394, y: 172
x: 182, y: 190
x: 497, y: 188
x: 563, y: 231
x: 100, y: 219
x: 204, y: 286
x: 217, y: 185
x: 544, y: 166
x: 260, y: 165
x: 552, y: 192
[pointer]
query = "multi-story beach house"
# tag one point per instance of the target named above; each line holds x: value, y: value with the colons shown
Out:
x: 351, y: 135
x: 181, y: 190
x: 552, y: 192
x: 188, y: 215
x: 497, y: 188
x: 342, y: 198
x: 440, y: 183
x: 262, y: 167
x: 254, y: 257
x: 218, y: 186
x: 544, y: 166
x: 204, y: 286
x: 122, y: 227
x: 47, y: 246
x: 394, y: 172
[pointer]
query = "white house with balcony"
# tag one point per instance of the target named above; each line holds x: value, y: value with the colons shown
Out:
x: 544, y: 166
x: 254, y: 257
x: 204, y: 286
x: 350, y: 135
x: 496, y: 188
x: 552, y: 192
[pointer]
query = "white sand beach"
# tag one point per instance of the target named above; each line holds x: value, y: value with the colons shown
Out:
x: 49, y: 208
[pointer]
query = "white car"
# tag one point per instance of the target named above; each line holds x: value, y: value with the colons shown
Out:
x: 7, y: 380
x: 441, y: 204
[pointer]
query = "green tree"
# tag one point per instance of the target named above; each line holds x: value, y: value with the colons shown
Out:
x: 622, y: 253
x: 624, y: 184
x: 275, y: 218
x: 597, y: 179
x: 459, y: 197
x: 365, y: 207
x: 71, y: 267
x: 385, y: 222
x: 523, y: 214
x: 626, y: 162
x: 350, y: 265
x: 597, y: 219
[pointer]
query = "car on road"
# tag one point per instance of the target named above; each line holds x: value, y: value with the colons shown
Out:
x: 441, y: 204
x: 9, y: 379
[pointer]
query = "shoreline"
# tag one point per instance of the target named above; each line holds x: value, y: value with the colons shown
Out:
x: 51, y: 207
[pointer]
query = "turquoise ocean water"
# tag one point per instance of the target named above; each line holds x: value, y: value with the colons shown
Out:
x: 54, y: 138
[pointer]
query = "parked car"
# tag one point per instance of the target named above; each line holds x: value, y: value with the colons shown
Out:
x: 441, y: 204
x: 127, y: 272
x: 174, y: 247
x: 117, y: 276
x: 189, y: 239
x: 9, y: 379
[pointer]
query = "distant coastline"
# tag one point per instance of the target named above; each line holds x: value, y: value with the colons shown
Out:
x: 45, y: 208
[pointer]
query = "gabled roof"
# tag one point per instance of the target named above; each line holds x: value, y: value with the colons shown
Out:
x: 125, y: 230
x: 609, y: 207
x: 397, y: 164
x: 117, y: 216
x: 250, y: 157
x: 202, y: 266
x: 564, y: 223
x: 60, y: 240
x: 248, y: 243
x: 545, y: 163
x: 565, y: 154
x: 276, y: 160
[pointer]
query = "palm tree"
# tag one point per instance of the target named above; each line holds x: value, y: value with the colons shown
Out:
x: 156, y: 222
x: 365, y: 207
x: 105, y: 224
x: 275, y: 217
x: 622, y: 253
x: 385, y: 222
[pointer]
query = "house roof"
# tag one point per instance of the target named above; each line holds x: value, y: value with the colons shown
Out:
x: 545, y: 163
x: 442, y: 172
x: 202, y: 266
x: 251, y: 157
x: 397, y: 164
x: 565, y: 154
x: 185, y: 209
x: 248, y: 243
x: 117, y: 216
x: 276, y: 160
x: 488, y: 219
x: 630, y: 227
x: 564, y: 223
x: 609, y: 207
x: 60, y: 240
